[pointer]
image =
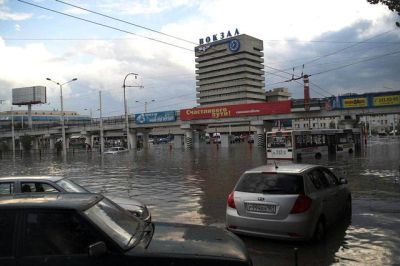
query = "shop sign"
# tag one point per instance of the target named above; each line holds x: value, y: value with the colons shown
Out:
x: 355, y: 102
x: 156, y: 117
x: 251, y: 109
x: 386, y: 100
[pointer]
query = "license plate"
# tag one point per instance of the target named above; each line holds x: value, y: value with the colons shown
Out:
x: 279, y: 152
x: 262, y: 208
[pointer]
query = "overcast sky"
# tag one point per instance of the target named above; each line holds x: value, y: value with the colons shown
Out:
x: 323, y: 35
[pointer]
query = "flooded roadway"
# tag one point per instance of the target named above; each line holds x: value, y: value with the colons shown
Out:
x: 192, y: 186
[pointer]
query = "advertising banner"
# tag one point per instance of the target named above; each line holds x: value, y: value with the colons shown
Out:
x: 251, y: 109
x: 355, y: 102
x: 29, y: 95
x: 386, y: 100
x: 156, y: 117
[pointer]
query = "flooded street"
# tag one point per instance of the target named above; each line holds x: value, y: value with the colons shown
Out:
x: 192, y: 187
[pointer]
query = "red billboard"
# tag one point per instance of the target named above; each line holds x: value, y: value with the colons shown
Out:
x: 250, y: 109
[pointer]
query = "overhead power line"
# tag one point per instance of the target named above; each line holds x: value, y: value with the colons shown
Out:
x: 345, y: 48
x: 361, y: 61
x: 127, y: 22
x: 106, y: 26
x: 340, y: 50
x: 181, y: 39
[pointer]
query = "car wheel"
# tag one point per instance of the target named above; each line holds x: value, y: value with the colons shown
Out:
x: 319, y: 232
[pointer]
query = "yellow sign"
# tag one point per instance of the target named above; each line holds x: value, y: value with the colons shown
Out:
x: 387, y: 100
x: 355, y: 102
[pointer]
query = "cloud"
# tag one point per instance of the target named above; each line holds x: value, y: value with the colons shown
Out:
x: 17, y: 27
x: 150, y: 7
x: 7, y: 14
x: 293, y: 33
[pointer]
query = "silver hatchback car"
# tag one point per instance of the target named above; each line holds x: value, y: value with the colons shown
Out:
x: 288, y: 201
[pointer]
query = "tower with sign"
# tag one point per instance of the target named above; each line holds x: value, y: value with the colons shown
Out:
x: 230, y: 69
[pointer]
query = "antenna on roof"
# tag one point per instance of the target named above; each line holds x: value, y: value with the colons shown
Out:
x: 276, y: 165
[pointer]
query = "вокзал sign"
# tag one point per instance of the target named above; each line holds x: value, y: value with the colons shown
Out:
x: 251, y: 109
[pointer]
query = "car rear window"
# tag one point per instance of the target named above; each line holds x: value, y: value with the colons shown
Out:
x: 271, y: 183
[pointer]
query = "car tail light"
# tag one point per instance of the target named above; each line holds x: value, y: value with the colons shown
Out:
x: 231, y: 200
x: 302, y: 204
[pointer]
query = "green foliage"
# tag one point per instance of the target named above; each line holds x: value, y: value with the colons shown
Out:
x: 393, y: 5
x: 26, y: 142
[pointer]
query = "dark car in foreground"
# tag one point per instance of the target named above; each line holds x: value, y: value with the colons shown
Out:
x: 287, y: 201
x: 54, y: 184
x: 89, y: 229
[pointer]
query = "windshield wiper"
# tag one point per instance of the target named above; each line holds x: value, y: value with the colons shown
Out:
x: 146, y: 230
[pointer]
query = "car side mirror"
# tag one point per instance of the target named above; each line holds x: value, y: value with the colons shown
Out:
x: 97, y: 249
x: 342, y: 181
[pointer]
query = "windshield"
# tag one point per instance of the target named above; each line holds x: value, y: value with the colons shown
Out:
x: 115, y: 222
x: 271, y: 183
x: 279, y: 141
x: 70, y: 186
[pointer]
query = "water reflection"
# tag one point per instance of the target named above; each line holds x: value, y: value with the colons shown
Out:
x: 192, y: 186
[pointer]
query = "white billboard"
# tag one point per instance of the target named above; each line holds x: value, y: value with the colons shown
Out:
x: 29, y: 95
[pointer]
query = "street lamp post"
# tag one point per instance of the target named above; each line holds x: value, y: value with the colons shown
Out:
x: 91, y: 117
x: 126, y: 107
x: 62, y: 114
x: 145, y: 104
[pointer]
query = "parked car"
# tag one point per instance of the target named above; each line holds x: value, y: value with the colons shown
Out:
x: 54, y: 184
x: 115, y: 150
x: 89, y: 229
x: 161, y: 140
x: 287, y: 201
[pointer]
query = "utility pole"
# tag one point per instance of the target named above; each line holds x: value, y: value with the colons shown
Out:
x: 101, y: 126
x: 126, y: 107
x: 13, y: 133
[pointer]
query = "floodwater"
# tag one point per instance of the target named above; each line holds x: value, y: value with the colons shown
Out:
x: 192, y: 187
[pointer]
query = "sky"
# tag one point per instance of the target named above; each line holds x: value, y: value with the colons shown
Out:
x: 346, y: 47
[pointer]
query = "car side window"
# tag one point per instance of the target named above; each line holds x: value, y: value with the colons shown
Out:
x: 56, y: 233
x: 37, y: 187
x: 333, y: 181
x: 6, y: 188
x: 318, y: 179
x: 7, y: 225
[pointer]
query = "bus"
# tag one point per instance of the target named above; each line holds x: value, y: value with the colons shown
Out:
x: 345, y: 140
x: 297, y: 144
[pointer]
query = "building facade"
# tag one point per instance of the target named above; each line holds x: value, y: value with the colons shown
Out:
x: 230, y: 71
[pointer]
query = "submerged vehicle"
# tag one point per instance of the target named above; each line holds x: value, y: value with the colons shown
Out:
x: 288, y: 201
x: 89, y: 229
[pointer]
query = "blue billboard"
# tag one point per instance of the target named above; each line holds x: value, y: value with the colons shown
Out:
x: 156, y: 117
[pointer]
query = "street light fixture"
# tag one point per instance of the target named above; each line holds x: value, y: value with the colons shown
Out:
x: 91, y: 117
x: 145, y: 104
x: 126, y: 107
x: 62, y: 114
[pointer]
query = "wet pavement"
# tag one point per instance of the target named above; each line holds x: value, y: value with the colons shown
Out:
x: 192, y: 186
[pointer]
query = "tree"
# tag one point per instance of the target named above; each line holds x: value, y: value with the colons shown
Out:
x: 393, y: 5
